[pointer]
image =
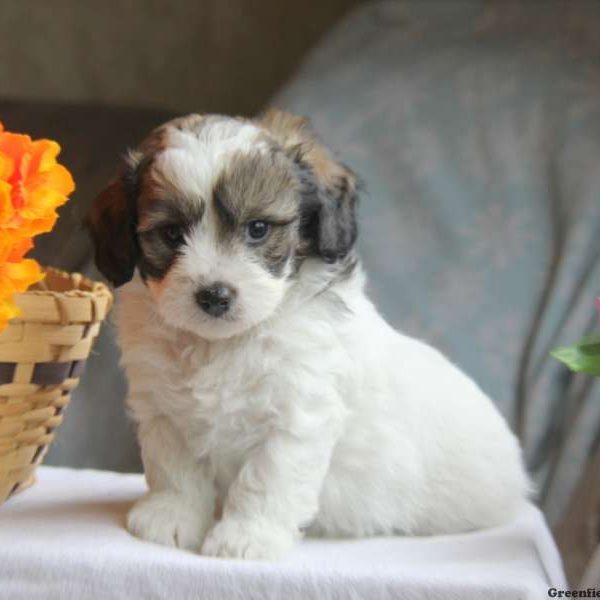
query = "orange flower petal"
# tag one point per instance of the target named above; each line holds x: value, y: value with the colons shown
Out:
x: 40, y: 202
x: 20, y: 275
x: 6, y: 244
x: 32, y: 185
x: 7, y: 166
x: 57, y: 177
x: 13, y: 246
x: 43, y: 154
x: 33, y: 227
x: 7, y: 210
x: 14, y: 144
x: 8, y: 310
x: 20, y: 249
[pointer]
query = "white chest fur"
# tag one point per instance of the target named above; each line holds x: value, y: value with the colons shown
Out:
x: 394, y: 437
x: 226, y: 397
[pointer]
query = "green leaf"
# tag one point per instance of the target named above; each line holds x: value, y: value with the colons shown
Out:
x: 590, y: 345
x: 584, y: 357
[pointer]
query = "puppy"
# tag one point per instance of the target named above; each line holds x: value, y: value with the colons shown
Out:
x: 271, y: 397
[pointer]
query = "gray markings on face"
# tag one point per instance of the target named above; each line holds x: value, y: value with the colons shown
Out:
x: 262, y: 186
x: 164, y: 224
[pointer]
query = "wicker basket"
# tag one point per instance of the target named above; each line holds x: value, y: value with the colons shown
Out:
x: 42, y: 355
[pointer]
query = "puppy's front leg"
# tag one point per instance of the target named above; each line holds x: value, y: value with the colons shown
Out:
x: 275, y: 493
x: 178, y: 509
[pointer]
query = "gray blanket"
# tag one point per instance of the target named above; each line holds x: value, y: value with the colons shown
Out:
x: 476, y: 128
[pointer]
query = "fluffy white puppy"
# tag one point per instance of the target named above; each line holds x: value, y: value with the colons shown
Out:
x: 270, y: 395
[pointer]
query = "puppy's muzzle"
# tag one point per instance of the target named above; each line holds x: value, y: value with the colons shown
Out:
x: 215, y: 300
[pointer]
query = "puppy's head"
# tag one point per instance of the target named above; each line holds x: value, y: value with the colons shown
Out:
x: 218, y: 215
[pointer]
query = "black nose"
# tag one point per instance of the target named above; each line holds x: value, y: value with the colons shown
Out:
x: 215, y: 300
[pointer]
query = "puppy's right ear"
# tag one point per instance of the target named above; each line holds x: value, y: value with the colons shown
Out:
x: 112, y: 223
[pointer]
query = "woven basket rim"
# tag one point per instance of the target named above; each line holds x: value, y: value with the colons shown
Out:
x: 94, y: 288
x: 62, y: 298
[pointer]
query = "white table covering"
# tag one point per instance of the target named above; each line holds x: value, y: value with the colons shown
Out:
x: 65, y: 538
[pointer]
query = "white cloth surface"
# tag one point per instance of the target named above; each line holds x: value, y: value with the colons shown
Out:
x: 65, y: 538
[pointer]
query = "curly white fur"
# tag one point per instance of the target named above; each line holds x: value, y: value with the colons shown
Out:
x: 313, y: 419
x: 301, y: 410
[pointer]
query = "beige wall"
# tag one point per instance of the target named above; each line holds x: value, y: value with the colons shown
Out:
x: 207, y: 55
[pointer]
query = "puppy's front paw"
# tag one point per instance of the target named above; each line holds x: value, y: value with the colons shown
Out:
x: 253, y: 540
x: 169, y: 519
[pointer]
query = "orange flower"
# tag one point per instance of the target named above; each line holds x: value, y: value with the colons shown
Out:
x: 8, y: 310
x: 16, y: 277
x: 32, y: 186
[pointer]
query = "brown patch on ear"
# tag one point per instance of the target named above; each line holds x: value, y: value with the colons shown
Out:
x: 293, y: 134
x: 192, y: 123
x: 154, y: 142
x: 113, y: 218
x: 330, y: 188
x: 111, y: 223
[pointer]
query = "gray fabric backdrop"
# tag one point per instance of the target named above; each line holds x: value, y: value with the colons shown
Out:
x: 476, y: 128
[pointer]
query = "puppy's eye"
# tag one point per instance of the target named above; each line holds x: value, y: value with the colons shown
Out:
x: 257, y: 230
x: 173, y: 235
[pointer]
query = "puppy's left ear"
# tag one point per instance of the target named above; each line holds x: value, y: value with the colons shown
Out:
x: 329, y: 188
